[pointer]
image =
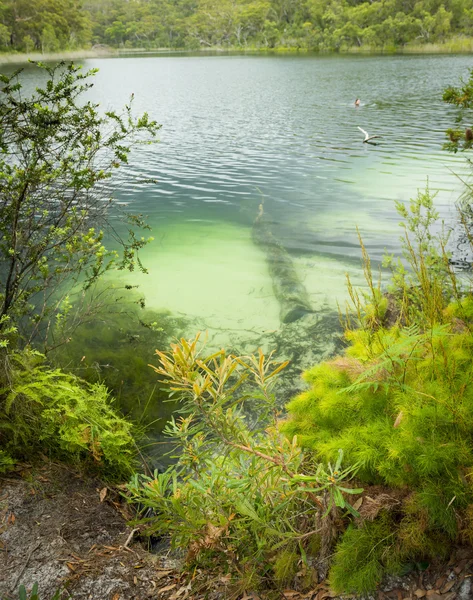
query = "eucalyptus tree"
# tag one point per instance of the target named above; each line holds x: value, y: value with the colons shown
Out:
x: 57, y: 156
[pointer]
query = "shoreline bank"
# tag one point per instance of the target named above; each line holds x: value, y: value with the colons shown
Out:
x: 459, y: 46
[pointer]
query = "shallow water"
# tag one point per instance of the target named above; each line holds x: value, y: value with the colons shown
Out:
x: 239, y: 131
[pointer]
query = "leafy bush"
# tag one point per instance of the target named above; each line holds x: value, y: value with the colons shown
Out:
x: 45, y: 410
x: 399, y: 403
x: 241, y: 497
x: 6, y: 462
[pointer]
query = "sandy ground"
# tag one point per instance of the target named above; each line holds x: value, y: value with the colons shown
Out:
x: 70, y: 533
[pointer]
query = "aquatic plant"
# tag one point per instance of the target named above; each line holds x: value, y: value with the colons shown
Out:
x: 114, y: 347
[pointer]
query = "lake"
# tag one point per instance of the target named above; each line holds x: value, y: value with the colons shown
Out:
x: 282, y: 132
x: 239, y: 130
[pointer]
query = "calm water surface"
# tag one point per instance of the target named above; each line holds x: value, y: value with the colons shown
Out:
x: 239, y: 130
x: 242, y: 130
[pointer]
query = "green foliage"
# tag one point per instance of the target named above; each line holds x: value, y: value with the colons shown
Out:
x: 43, y: 410
x: 286, y: 567
x: 43, y: 25
x: 462, y: 97
x: 114, y: 348
x: 241, y: 497
x: 399, y: 403
x: 57, y: 152
x: 34, y: 594
x: 6, y: 462
x: 51, y: 25
x: 423, y: 286
x: 364, y: 555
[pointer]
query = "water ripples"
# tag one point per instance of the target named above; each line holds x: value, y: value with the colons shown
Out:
x: 239, y: 129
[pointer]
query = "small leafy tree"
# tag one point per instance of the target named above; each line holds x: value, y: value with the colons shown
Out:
x: 57, y: 151
x: 241, y: 498
x: 460, y: 138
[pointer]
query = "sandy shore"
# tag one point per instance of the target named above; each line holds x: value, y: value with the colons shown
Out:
x: 23, y: 57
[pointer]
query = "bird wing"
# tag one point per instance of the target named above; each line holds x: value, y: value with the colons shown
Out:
x: 364, y: 132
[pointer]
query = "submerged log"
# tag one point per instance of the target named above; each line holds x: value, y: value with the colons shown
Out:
x: 288, y: 288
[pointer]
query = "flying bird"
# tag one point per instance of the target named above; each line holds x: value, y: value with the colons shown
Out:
x: 368, y: 137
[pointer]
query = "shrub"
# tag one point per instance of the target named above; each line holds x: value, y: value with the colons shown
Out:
x: 45, y: 410
x: 241, y: 497
x: 399, y: 403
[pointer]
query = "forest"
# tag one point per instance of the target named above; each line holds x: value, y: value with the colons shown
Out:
x: 314, y: 25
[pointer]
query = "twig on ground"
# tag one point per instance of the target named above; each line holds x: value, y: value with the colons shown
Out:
x: 30, y: 554
x: 129, y: 538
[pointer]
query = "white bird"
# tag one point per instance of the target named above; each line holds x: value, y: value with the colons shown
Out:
x: 368, y: 137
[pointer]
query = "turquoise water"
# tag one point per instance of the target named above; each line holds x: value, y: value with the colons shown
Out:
x: 239, y: 131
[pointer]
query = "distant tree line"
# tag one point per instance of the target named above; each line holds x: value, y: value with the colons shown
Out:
x: 54, y: 25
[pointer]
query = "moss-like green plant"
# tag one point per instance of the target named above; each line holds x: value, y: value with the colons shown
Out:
x: 362, y: 556
x: 45, y: 410
x: 6, y: 462
x: 399, y: 403
x: 285, y: 567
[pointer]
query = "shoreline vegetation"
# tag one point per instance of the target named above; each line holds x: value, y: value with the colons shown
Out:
x: 366, y: 475
x: 324, y: 26
x: 454, y: 46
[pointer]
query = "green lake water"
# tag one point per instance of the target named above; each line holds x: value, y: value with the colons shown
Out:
x: 239, y: 130
x: 284, y: 129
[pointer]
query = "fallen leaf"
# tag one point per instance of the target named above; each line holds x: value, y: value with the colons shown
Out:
x: 358, y: 503
x: 420, y: 593
x: 70, y: 566
x: 12, y: 518
x: 103, y: 493
x: 167, y: 588
x: 116, y: 596
x: 161, y: 574
x: 135, y: 580
x: 398, y: 420
x: 448, y: 586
